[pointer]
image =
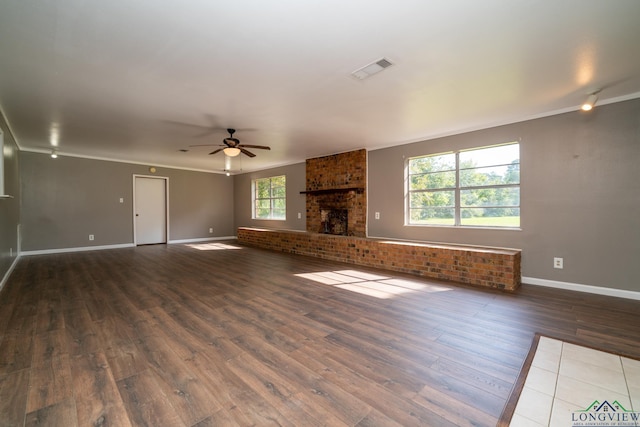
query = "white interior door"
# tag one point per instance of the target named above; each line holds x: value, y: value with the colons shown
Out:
x: 150, y: 210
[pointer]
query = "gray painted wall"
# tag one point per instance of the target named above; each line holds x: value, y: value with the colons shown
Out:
x: 580, y: 195
x: 66, y: 199
x: 9, y: 208
x: 296, y: 202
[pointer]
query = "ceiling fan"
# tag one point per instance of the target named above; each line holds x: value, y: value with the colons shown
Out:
x: 232, y: 146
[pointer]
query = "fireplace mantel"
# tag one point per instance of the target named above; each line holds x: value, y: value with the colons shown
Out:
x: 333, y: 190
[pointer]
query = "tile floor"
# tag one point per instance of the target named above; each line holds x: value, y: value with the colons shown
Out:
x: 564, y: 378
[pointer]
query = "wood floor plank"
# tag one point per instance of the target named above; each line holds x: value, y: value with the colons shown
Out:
x: 457, y: 411
x: 98, y: 401
x: 50, y: 382
x: 173, y: 335
x: 16, y: 353
x: 190, y: 398
x: 49, y: 316
x: 13, y: 397
x: 345, y: 406
x: 280, y: 393
x: 81, y: 335
x: 146, y: 403
x: 62, y: 414
x: 47, y: 345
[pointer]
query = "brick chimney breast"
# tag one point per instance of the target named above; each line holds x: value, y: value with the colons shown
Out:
x: 337, y: 182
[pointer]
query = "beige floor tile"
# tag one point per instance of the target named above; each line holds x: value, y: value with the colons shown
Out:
x: 534, y: 406
x: 549, y: 361
x: 591, y: 356
x: 520, y: 421
x: 611, y: 379
x: 634, y: 394
x: 583, y: 394
x: 541, y: 380
x: 631, y: 369
x: 561, y: 413
x: 550, y: 345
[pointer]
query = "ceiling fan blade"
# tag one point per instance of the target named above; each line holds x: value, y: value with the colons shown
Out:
x: 207, y: 145
x: 261, y: 147
x: 248, y: 153
x: 216, y: 151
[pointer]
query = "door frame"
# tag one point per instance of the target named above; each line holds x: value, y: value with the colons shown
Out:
x: 166, y: 208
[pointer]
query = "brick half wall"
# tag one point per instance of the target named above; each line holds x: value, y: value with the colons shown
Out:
x: 479, y: 266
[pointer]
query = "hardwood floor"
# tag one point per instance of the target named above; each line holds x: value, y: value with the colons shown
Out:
x: 179, y: 336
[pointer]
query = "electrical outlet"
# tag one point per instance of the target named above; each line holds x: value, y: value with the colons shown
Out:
x: 299, y: 215
x: 211, y: 230
x: 121, y: 199
x: 558, y: 263
x: 91, y: 236
x: 377, y: 215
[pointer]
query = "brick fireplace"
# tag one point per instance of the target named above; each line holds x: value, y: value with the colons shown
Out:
x: 336, y: 191
x: 336, y: 194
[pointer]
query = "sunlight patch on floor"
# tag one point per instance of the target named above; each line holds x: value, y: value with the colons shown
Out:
x: 212, y: 246
x: 373, y: 285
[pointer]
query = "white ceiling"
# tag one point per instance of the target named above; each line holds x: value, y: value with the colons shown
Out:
x: 109, y: 77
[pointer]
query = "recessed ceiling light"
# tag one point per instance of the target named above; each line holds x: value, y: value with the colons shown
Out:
x: 371, y: 69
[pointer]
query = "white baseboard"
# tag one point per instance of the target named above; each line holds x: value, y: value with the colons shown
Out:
x: 206, y: 239
x: 80, y: 249
x: 9, y: 271
x: 620, y: 293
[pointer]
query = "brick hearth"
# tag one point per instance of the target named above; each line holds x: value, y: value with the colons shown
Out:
x: 479, y: 266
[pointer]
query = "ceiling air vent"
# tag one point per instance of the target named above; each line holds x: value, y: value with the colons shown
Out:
x: 371, y: 69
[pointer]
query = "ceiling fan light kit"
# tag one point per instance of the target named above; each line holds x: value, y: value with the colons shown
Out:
x: 590, y: 102
x: 231, y: 151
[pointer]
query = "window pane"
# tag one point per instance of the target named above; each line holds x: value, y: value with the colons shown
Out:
x: 263, y: 204
x: 491, y: 156
x: 508, y: 196
x: 433, y: 216
x: 490, y: 217
x: 278, y: 181
x: 279, y: 214
x: 278, y: 192
x: 433, y: 180
x: 262, y: 188
x: 278, y: 203
x: 262, y: 213
x: 425, y: 199
x: 443, y: 162
x: 493, y: 175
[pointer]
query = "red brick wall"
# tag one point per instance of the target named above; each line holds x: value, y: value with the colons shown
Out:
x: 338, y: 172
x: 486, y: 267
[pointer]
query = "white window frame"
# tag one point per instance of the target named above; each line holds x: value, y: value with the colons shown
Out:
x: 271, y: 199
x: 457, y: 189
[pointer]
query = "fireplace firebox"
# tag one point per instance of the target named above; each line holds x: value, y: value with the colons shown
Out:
x: 334, y: 221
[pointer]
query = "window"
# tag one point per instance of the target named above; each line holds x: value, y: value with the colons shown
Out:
x: 479, y: 187
x: 269, y: 198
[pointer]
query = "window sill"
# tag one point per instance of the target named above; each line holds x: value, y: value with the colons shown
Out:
x: 466, y: 227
